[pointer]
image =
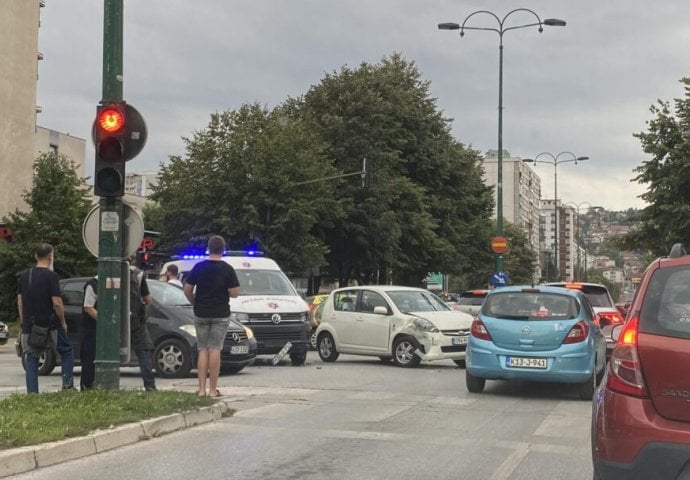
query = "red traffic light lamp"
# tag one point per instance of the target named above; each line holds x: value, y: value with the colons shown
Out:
x: 119, y: 133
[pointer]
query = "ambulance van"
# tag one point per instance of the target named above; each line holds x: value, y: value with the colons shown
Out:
x: 268, y: 303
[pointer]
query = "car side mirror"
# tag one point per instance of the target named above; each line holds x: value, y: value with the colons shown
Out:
x: 381, y: 310
x: 616, y: 332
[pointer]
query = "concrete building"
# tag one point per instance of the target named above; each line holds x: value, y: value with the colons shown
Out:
x: 521, y: 191
x: 567, y: 241
x: 46, y: 140
x: 21, y: 141
x: 140, y: 184
x: 19, y: 58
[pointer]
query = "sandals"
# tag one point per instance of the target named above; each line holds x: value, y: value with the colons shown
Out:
x: 216, y: 394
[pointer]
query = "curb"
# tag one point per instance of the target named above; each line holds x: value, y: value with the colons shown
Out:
x: 25, y: 459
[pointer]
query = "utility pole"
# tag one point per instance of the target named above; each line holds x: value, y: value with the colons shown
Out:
x: 111, y: 273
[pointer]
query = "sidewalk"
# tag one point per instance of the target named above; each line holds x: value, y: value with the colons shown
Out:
x: 24, y: 459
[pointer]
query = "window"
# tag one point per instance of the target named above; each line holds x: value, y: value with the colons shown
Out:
x: 73, y: 294
x: 345, y: 301
x: 371, y: 300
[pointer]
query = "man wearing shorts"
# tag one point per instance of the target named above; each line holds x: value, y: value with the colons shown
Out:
x: 209, y: 287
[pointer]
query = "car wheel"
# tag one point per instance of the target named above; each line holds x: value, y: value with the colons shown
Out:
x: 312, y: 340
x: 460, y: 363
x: 46, y: 362
x: 474, y: 384
x: 232, y: 369
x: 385, y: 359
x: 298, y: 358
x: 403, y: 353
x: 326, y: 348
x: 586, y: 388
x: 172, y: 359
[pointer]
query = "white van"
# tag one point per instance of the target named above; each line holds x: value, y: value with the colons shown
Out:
x: 268, y: 304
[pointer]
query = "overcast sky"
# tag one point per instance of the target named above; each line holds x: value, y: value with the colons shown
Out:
x: 584, y: 88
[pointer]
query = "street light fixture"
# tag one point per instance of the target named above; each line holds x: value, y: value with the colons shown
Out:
x: 556, y: 161
x: 500, y: 30
x: 579, y: 237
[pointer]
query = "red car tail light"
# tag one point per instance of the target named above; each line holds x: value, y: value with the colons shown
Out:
x: 578, y: 333
x: 610, y: 318
x: 478, y: 330
x: 626, y: 371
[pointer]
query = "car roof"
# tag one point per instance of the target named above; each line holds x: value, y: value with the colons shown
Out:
x: 385, y: 288
x: 237, y: 262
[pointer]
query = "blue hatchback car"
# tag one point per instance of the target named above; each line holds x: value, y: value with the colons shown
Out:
x: 539, y: 334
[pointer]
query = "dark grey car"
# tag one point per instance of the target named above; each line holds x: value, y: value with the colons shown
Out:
x: 171, y: 326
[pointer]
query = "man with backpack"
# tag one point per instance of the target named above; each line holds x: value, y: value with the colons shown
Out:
x: 139, y: 298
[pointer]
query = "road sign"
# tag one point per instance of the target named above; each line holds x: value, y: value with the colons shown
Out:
x: 133, y: 229
x: 499, y: 279
x: 499, y: 244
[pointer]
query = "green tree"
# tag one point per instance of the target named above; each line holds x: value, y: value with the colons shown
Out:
x: 666, y: 220
x: 56, y: 207
x: 242, y: 178
x: 521, y: 260
x: 427, y: 208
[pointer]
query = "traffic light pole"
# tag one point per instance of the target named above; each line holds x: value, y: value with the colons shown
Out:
x: 111, y: 275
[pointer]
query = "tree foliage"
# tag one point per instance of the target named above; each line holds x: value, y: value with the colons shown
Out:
x: 56, y: 207
x: 666, y: 220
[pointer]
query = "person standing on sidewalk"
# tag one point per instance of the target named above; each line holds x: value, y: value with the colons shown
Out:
x: 39, y: 300
x: 209, y: 287
x: 140, y: 339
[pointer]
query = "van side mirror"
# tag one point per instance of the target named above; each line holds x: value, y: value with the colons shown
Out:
x: 381, y: 310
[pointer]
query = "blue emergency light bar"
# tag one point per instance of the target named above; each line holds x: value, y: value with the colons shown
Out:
x: 197, y: 255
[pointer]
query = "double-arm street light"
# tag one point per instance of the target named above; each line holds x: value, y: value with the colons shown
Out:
x: 500, y: 30
x: 556, y: 161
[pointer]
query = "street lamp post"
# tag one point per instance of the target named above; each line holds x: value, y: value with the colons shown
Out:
x: 579, y: 236
x: 556, y: 161
x: 500, y: 30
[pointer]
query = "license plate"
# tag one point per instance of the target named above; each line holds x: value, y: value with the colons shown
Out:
x: 459, y: 340
x: 4, y: 334
x: 526, y: 362
x: 239, y: 349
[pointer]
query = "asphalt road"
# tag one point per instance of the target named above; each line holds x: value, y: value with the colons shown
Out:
x: 354, y: 419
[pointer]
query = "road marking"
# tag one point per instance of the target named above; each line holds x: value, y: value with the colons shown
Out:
x: 511, y: 463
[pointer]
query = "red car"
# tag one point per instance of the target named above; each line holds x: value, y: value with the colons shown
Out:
x: 641, y: 411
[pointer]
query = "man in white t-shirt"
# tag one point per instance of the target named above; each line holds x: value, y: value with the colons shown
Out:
x: 171, y: 274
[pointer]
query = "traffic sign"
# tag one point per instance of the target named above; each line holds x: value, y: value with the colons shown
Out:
x: 499, y: 244
x: 133, y: 228
x: 499, y: 279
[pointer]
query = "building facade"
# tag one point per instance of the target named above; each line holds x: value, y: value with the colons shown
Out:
x: 47, y: 140
x: 19, y: 58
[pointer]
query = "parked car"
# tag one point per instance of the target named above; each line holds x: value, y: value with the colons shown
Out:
x: 471, y: 301
x: 4, y: 333
x: 404, y: 324
x: 641, y: 412
x: 171, y: 326
x: 540, y: 334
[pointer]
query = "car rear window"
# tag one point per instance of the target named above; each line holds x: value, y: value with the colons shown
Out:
x: 530, y: 306
x: 474, y: 300
x: 666, y: 304
x: 597, y: 295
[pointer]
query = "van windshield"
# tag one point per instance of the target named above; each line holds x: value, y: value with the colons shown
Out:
x: 264, y: 282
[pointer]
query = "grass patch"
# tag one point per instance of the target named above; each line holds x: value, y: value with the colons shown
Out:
x: 34, y: 419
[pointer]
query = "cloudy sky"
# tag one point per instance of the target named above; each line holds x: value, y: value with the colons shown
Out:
x: 584, y: 88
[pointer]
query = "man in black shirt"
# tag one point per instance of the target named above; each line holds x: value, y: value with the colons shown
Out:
x: 216, y: 282
x: 39, y: 301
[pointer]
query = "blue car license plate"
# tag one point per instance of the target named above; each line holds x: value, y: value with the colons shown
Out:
x: 526, y: 362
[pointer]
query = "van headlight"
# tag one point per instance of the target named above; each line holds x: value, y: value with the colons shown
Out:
x: 303, y: 317
x: 189, y: 329
x: 249, y: 331
x: 239, y: 317
x: 425, y: 325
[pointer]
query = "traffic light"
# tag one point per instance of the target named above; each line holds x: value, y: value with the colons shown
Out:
x: 119, y: 134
